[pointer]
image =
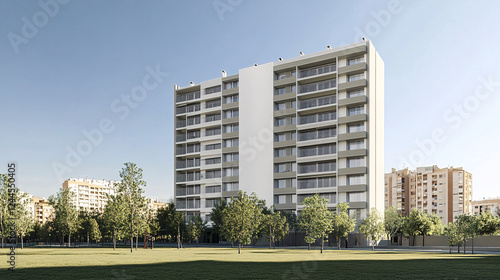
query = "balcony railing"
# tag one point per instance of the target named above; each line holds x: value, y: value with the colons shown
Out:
x: 318, y: 86
x: 323, y: 69
x: 316, y: 102
x: 318, y: 118
x: 187, y: 96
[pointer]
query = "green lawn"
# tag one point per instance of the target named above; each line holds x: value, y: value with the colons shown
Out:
x: 225, y: 263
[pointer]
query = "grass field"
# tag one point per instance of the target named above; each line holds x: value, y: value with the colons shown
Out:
x: 225, y: 263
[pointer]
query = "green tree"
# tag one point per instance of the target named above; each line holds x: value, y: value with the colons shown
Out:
x: 454, y: 236
x: 65, y: 214
x: 23, y: 221
x: 195, y: 227
x: 487, y: 224
x: 437, y: 227
x: 342, y: 224
x: 316, y: 219
x: 241, y: 219
x: 373, y: 226
x: 468, y: 227
x: 95, y: 233
x: 275, y: 227
x: 130, y: 189
x: 417, y: 224
x: 216, y: 215
x: 393, y: 223
x: 114, y: 218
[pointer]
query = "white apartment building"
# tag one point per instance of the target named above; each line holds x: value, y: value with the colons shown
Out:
x: 90, y: 194
x: 285, y: 130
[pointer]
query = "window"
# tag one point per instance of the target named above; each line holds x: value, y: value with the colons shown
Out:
x: 356, y: 162
x: 294, y: 183
x: 212, y: 189
x: 293, y: 135
x: 356, y: 180
x: 356, y: 127
x: 229, y: 85
x: 355, y: 93
x: 355, y: 110
x: 212, y: 174
x: 356, y: 197
x: 280, y: 76
x: 279, y: 137
x: 279, y: 184
x: 212, y: 147
x: 213, y: 103
x: 318, y: 86
x: 227, y: 187
x: 231, y: 114
x: 229, y: 172
x: 279, y: 199
x: 293, y: 104
x: 209, y: 203
x: 355, y: 77
x: 212, y: 117
x: 231, y: 143
x: 209, y: 161
x: 293, y: 120
x: 293, y: 151
x: 231, y: 98
x: 211, y: 90
x: 294, y: 73
x: 230, y: 157
x: 279, y: 168
x: 279, y: 121
x: 294, y: 167
x: 355, y: 60
x: 293, y: 88
x: 231, y: 128
x: 279, y: 106
x: 280, y: 152
x: 279, y: 91
x: 356, y: 145
x: 193, y: 134
x: 212, y: 131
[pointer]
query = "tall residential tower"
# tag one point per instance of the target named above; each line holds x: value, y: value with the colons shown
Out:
x: 285, y: 130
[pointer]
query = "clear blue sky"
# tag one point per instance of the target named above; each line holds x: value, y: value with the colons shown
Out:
x: 68, y: 74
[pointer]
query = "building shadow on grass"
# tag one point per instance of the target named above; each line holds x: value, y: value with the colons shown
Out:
x: 469, y: 267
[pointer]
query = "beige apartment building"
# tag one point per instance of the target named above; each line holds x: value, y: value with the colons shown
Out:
x: 90, y: 194
x: 446, y: 192
x: 486, y: 205
x: 285, y: 130
x: 43, y: 211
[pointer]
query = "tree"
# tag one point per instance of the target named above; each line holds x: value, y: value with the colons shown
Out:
x: 275, y: 227
x: 66, y: 216
x: 342, y: 224
x: 130, y: 190
x: 95, y: 233
x: 417, y: 224
x: 114, y: 218
x: 4, y: 205
x: 241, y: 218
x: 195, y: 227
x: 316, y: 219
x: 468, y: 228
x: 216, y: 215
x: 437, y: 227
x: 393, y: 223
x: 487, y: 224
x: 454, y: 236
x: 373, y: 226
x: 23, y: 221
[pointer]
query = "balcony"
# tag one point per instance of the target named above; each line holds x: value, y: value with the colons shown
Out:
x: 317, y: 102
x: 318, y: 86
x: 321, y: 117
x: 318, y: 70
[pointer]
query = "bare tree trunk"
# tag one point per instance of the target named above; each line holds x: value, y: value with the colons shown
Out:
x: 69, y: 239
x: 22, y: 242
x: 270, y: 239
x: 88, y: 239
x: 114, y: 240
x: 473, y: 245
x: 309, y: 246
x: 131, y: 243
x: 465, y: 245
x: 136, y: 241
x: 338, y: 242
x: 423, y: 240
x: 239, y: 248
x: 322, y: 242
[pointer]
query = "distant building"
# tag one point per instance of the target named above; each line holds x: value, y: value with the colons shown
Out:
x: 42, y: 210
x: 486, y: 205
x: 445, y: 192
x: 90, y: 194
